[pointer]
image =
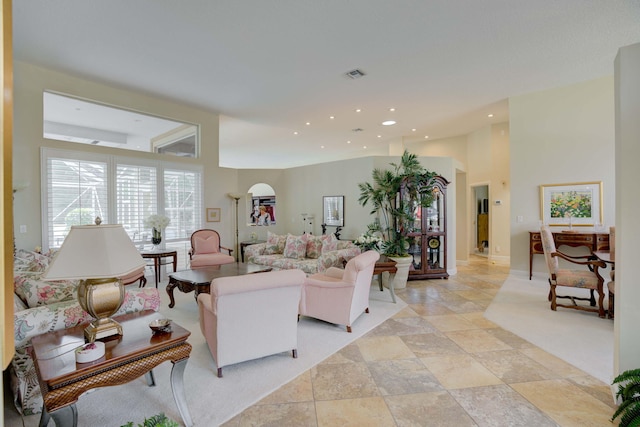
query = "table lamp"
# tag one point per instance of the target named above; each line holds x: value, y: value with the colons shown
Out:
x: 98, y: 256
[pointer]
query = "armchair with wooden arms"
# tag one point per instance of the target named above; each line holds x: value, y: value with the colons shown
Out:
x: 206, y: 250
x: 587, y: 278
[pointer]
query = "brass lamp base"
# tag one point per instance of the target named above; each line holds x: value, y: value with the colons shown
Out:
x: 102, y: 328
x: 101, y: 298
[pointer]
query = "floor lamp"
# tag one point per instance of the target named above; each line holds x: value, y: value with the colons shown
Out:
x: 236, y: 197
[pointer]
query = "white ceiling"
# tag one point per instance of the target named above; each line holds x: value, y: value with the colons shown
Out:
x: 269, y: 67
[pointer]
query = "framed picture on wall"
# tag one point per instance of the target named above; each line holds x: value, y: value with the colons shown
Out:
x: 333, y: 210
x: 574, y: 204
x: 213, y: 214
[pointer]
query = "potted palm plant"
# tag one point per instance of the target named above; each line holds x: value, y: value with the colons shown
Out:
x: 628, y: 395
x: 396, y: 196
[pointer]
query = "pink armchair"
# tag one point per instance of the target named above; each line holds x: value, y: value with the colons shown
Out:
x: 205, y: 249
x: 340, y: 296
x: 251, y: 316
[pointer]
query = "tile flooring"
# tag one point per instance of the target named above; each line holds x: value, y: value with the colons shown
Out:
x: 439, y: 362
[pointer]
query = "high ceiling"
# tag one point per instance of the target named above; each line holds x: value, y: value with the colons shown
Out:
x: 271, y: 67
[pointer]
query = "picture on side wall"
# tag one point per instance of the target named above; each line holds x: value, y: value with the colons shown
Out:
x: 333, y: 210
x: 213, y: 214
x: 574, y: 204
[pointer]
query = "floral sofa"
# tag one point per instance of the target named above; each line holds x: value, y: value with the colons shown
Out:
x: 40, y: 307
x: 309, y: 253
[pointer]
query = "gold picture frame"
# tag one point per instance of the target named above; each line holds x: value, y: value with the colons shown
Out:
x: 573, y: 204
x: 213, y: 214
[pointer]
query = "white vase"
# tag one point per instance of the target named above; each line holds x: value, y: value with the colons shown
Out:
x: 400, y: 277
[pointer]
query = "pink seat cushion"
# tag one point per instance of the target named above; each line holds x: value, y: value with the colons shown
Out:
x: 204, y: 260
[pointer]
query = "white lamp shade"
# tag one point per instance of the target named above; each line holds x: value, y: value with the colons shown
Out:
x: 96, y: 252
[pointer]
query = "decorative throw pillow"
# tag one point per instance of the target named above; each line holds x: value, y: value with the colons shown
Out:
x: 314, y: 246
x: 206, y: 245
x: 35, y: 292
x: 296, y: 246
x: 329, y: 243
x: 275, y: 244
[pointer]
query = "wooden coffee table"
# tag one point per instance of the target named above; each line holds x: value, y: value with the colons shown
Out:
x: 199, y: 279
x: 126, y: 358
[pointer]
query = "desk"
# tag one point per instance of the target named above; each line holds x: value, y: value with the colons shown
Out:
x: 595, y: 241
x: 248, y: 243
x: 386, y: 265
x: 135, y: 353
x: 157, y: 256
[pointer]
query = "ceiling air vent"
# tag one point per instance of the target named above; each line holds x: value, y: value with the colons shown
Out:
x: 355, y: 74
x: 357, y: 130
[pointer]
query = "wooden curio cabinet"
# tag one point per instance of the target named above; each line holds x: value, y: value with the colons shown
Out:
x: 428, y: 237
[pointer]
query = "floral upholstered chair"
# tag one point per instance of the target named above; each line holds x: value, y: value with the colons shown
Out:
x: 587, y: 277
x: 206, y: 250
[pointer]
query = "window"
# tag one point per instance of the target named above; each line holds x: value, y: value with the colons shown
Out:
x: 67, y: 118
x: 80, y: 186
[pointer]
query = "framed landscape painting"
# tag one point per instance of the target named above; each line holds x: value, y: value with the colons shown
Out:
x: 574, y: 204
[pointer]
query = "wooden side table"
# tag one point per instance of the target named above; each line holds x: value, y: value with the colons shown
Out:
x: 157, y: 257
x: 386, y: 265
x: 126, y: 358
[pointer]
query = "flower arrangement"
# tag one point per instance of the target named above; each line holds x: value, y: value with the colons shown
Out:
x: 367, y: 241
x: 159, y: 222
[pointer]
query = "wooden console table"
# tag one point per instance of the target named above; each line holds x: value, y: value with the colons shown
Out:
x: 135, y: 353
x: 594, y: 240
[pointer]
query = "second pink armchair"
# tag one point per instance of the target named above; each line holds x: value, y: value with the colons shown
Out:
x: 340, y: 296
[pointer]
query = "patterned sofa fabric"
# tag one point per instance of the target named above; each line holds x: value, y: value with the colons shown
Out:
x: 256, y: 254
x: 41, y: 307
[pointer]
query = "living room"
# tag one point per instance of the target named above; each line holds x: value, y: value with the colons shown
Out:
x: 557, y: 127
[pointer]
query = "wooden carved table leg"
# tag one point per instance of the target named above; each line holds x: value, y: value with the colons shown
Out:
x: 172, y: 284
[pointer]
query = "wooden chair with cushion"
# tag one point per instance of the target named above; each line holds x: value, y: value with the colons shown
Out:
x: 206, y: 250
x: 587, y: 277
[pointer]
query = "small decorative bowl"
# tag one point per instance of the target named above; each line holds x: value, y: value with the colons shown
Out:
x: 160, y: 325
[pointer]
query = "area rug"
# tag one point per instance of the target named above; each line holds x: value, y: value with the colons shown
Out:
x: 214, y: 400
x: 580, y: 338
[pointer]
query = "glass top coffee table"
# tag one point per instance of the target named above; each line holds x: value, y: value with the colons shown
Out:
x: 199, y: 279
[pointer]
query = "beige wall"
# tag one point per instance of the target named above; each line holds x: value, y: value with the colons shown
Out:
x: 627, y: 153
x: 31, y: 81
x: 560, y: 135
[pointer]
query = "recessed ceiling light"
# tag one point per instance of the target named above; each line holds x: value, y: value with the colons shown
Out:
x: 379, y: 136
x: 388, y: 123
x: 364, y: 146
x: 358, y: 110
x: 348, y: 142
x: 490, y: 115
x: 413, y: 130
x: 392, y: 109
x: 322, y: 146
x: 295, y: 133
x: 426, y: 137
x: 331, y: 117
x: 308, y: 123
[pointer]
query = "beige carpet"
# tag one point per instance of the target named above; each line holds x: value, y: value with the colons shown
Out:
x: 213, y: 400
x: 580, y: 338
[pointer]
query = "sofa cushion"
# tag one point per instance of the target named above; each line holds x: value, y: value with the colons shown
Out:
x: 275, y: 244
x: 329, y: 243
x: 295, y: 247
x: 314, y: 246
x: 35, y: 292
